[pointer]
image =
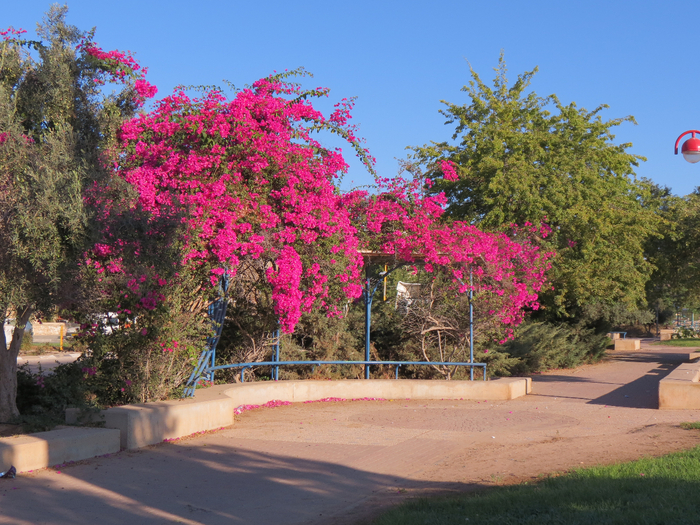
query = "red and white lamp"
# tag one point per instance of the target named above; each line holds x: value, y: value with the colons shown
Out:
x: 691, y: 147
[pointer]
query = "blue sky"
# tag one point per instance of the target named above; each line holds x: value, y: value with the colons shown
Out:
x: 400, y: 58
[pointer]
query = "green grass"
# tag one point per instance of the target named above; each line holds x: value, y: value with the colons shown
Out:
x: 43, y: 348
x: 66, y: 344
x: 679, y: 342
x: 649, y: 491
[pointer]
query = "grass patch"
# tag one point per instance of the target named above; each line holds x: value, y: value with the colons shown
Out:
x: 680, y: 342
x: 647, y: 491
x: 44, y: 348
x: 691, y: 426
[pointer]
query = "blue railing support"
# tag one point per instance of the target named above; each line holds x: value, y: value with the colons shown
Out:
x: 471, y: 323
x: 276, y: 350
x: 206, y: 364
x: 368, y: 319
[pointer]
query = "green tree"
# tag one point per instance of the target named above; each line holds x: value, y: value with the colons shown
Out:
x: 675, y: 282
x: 523, y: 158
x: 54, y: 123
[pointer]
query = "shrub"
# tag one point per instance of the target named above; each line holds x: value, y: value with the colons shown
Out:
x: 683, y: 332
x: 542, y: 346
x: 43, y: 398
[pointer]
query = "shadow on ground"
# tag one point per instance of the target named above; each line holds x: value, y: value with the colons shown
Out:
x: 202, y: 484
x: 639, y: 393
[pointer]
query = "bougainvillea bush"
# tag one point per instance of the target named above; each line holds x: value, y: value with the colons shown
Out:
x: 253, y: 192
x: 256, y: 186
x: 238, y: 186
x: 406, y: 223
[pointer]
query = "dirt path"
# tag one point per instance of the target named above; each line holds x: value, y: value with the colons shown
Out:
x: 323, y: 463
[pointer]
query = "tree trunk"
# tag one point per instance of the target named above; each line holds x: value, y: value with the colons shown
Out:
x: 8, y: 366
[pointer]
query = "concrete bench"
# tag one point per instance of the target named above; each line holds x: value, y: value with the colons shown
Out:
x: 45, y: 449
x: 665, y: 334
x: 681, y: 388
x: 628, y: 344
x: 212, y: 408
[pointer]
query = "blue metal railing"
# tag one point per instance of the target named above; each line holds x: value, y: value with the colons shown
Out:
x: 206, y: 366
x: 207, y: 359
x: 276, y: 364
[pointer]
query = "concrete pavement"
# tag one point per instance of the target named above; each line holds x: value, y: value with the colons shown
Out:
x: 47, y: 362
x: 319, y: 463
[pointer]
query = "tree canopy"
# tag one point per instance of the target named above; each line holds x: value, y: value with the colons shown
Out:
x: 675, y: 282
x: 54, y: 124
x: 522, y: 159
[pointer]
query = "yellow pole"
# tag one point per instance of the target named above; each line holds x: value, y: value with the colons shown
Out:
x: 386, y: 267
x: 61, y: 347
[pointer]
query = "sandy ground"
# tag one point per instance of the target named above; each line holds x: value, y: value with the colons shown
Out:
x: 343, y: 462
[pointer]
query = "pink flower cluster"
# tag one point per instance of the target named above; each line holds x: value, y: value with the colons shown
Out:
x: 121, y: 68
x: 10, y: 33
x: 508, y: 270
x: 256, y: 186
x: 270, y: 404
x: 138, y: 292
x: 169, y: 347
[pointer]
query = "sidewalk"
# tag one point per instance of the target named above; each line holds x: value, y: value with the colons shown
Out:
x: 47, y: 362
x: 321, y: 463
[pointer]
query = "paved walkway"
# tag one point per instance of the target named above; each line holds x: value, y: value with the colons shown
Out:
x: 321, y: 463
x: 47, y: 362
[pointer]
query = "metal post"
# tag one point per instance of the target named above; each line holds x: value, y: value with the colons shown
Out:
x: 277, y: 354
x: 368, y: 319
x: 471, y: 324
x: 386, y: 270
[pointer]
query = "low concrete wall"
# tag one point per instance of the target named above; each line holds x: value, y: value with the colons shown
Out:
x: 628, y: 344
x: 45, y: 449
x: 150, y: 423
x: 212, y: 408
x: 48, y: 328
x: 681, y: 388
x: 692, y: 356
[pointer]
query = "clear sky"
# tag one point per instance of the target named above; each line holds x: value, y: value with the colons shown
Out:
x: 400, y: 58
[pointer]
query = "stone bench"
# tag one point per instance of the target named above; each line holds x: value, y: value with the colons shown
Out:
x: 45, y: 449
x: 212, y: 408
x: 665, y: 334
x: 628, y: 344
x: 135, y: 426
x: 681, y: 388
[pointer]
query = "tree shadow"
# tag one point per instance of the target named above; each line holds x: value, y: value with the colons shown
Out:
x: 568, y: 379
x: 643, y: 492
x: 640, y: 393
x: 177, y: 483
x: 649, y: 357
